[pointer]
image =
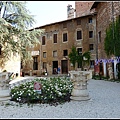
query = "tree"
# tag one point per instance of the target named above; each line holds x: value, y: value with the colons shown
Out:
x: 81, y: 59
x: 15, y: 37
x: 73, y: 56
x: 112, y: 39
x: 84, y: 59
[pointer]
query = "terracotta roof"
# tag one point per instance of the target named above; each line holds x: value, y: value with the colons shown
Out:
x: 62, y: 21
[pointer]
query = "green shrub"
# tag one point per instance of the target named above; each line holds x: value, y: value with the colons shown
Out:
x: 53, y: 91
x: 98, y: 77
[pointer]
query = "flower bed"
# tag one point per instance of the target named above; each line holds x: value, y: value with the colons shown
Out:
x: 54, y: 90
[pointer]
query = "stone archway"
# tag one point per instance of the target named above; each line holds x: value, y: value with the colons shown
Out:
x: 118, y: 70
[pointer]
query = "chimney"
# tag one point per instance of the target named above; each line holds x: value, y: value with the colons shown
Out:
x: 70, y: 12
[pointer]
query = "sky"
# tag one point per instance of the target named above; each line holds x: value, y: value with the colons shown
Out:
x: 46, y: 12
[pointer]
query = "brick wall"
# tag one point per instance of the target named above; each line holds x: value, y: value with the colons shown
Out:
x: 82, y: 8
x: 104, y: 18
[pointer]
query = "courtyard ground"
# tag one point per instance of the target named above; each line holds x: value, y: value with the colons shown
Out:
x: 104, y: 103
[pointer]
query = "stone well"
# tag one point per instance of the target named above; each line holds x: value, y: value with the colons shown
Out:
x: 79, y: 79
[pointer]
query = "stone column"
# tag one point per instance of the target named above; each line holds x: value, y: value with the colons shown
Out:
x: 4, y: 86
x: 104, y: 68
x: 115, y: 71
x: 79, y: 91
x: 110, y: 71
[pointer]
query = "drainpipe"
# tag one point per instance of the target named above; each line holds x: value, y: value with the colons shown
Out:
x: 115, y: 61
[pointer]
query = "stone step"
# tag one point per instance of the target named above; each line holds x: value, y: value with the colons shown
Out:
x: 4, y: 93
x: 5, y: 98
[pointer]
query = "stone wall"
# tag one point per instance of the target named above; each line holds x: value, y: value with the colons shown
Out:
x: 12, y: 65
x: 71, y: 30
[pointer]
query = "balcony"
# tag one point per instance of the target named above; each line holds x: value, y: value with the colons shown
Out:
x: 34, y: 53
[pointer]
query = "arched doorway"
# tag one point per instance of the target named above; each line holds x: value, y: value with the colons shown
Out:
x: 118, y: 70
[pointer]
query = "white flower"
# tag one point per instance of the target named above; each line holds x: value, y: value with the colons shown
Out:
x: 45, y: 97
x: 56, y: 87
x: 60, y: 93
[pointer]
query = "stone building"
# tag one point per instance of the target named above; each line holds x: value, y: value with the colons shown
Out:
x: 57, y: 41
x: 106, y: 13
x: 104, y: 18
x: 89, y: 25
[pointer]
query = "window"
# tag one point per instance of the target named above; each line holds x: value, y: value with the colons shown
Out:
x: 79, y: 50
x: 31, y: 46
x: 99, y: 36
x: 65, y: 52
x: 43, y: 40
x: 90, y: 34
x: 44, y: 65
x: 91, y: 63
x: 91, y: 46
x: 35, y: 63
x: 119, y: 18
x: 64, y: 37
x: 79, y: 34
x: 64, y: 25
x: 78, y: 22
x: 55, y: 53
x: 0, y: 50
x: 90, y: 20
x: 44, y: 54
x: 54, y: 38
